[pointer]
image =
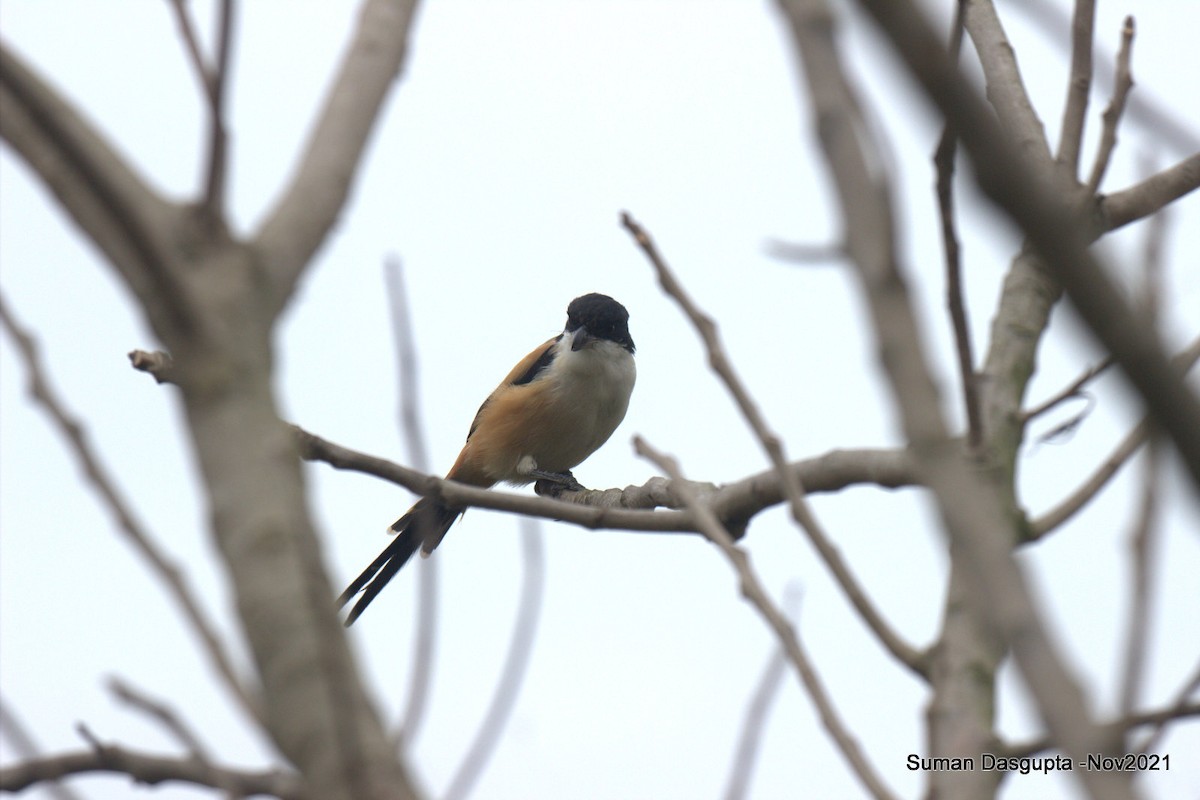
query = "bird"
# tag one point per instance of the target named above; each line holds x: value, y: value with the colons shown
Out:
x: 555, y: 408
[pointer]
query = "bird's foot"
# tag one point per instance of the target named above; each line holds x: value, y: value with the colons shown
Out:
x: 552, y: 484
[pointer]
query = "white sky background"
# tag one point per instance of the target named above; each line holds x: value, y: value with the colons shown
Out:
x: 517, y: 134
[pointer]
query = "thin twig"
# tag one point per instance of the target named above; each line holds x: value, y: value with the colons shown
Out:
x: 1179, y: 708
x: 759, y: 707
x: 1145, y: 535
x: 1109, y: 467
x: 753, y: 591
x: 149, y: 770
x: 191, y: 42
x: 1071, y: 390
x: 1116, y: 107
x: 943, y: 160
x: 516, y: 664
x: 428, y: 570
x: 794, y: 490
x: 218, y: 134
x: 1159, y: 719
x: 14, y: 730
x: 1151, y: 195
x: 165, y: 716
x: 1079, y: 85
x: 143, y: 542
x: 1142, y: 551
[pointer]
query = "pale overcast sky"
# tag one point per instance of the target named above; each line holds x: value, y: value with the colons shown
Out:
x: 519, y: 132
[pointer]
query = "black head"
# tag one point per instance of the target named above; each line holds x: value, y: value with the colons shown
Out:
x: 602, y: 317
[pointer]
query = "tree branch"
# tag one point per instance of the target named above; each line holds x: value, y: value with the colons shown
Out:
x: 1151, y: 195
x: 1079, y: 85
x: 793, y: 488
x: 1005, y: 87
x: 1052, y: 225
x: 1119, y: 728
x: 753, y: 591
x: 621, y: 509
x: 972, y: 512
x: 303, y: 215
x: 172, y: 578
x: 1104, y: 473
x: 943, y: 161
x: 101, y: 193
x: 1116, y: 107
x: 151, y: 770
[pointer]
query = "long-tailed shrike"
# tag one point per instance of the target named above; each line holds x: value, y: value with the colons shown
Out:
x: 556, y: 407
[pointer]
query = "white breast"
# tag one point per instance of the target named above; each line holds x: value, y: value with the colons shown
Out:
x: 593, y: 386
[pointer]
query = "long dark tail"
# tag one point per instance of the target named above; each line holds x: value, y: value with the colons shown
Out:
x: 427, y: 521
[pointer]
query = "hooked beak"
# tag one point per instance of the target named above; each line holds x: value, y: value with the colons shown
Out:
x: 580, y: 338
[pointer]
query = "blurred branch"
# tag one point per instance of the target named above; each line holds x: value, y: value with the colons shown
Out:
x: 1116, y: 107
x: 753, y: 591
x: 1151, y: 195
x: 403, y: 335
x: 755, y: 720
x: 1119, y: 727
x: 1052, y: 225
x: 1005, y: 88
x: 1079, y: 85
x: 1157, y: 119
x: 1142, y: 551
x: 1055, y: 517
x: 14, y: 731
x: 213, y: 81
x: 309, y: 206
x: 974, y: 514
x: 943, y: 161
x: 788, y: 479
x: 148, y: 769
x: 1071, y: 390
x: 143, y: 542
x: 516, y: 664
x: 97, y: 188
x: 164, y: 715
x: 1178, y: 709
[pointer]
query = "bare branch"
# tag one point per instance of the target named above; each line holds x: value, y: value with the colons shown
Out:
x: 753, y: 591
x: 1180, y: 708
x: 1116, y: 107
x: 309, y: 206
x: 13, y: 730
x: 1142, y: 548
x: 418, y: 454
x: 218, y: 135
x: 1161, y: 121
x: 614, y: 509
x: 117, y: 210
x: 973, y: 513
x: 156, y: 363
x: 943, y: 160
x: 1104, y: 473
x: 1071, y: 390
x: 1053, y: 227
x: 1079, y: 86
x: 1119, y: 728
x: 150, y: 770
x: 758, y: 709
x: 164, y: 715
x: 141, y: 539
x: 1005, y: 86
x: 516, y: 664
x: 794, y: 489
x: 1151, y: 195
